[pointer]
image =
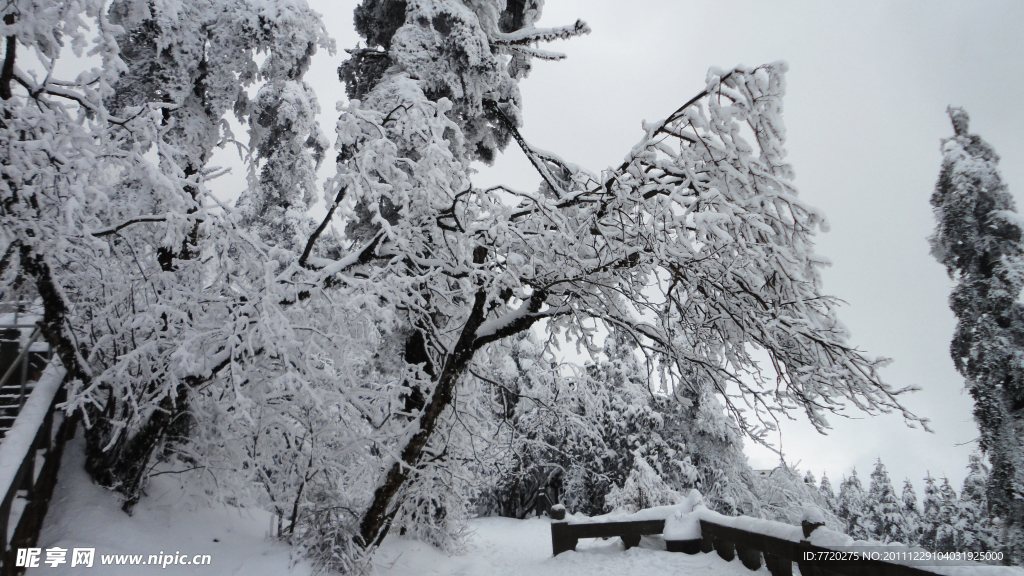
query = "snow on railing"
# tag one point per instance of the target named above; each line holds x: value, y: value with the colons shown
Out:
x: 31, y: 433
x: 691, y: 527
x: 19, y: 368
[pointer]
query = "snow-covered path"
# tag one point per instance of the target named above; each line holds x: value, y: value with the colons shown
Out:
x: 167, y: 521
x: 170, y: 520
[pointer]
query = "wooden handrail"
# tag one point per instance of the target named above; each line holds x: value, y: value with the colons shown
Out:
x: 778, y: 554
x: 31, y: 432
x: 22, y: 358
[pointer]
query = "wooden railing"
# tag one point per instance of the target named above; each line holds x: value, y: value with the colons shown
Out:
x: 752, y: 548
x: 780, y: 554
x: 28, y: 435
x: 17, y: 376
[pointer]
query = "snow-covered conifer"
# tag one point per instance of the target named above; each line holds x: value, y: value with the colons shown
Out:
x: 827, y: 494
x: 974, y: 528
x: 930, y: 510
x: 911, y: 512
x: 946, y: 528
x: 850, y: 508
x: 285, y: 136
x: 884, y: 510
x: 978, y: 239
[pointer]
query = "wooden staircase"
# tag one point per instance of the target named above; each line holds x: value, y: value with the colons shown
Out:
x: 32, y: 431
x: 22, y: 360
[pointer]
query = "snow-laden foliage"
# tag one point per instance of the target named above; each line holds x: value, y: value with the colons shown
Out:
x: 696, y: 248
x: 544, y: 421
x: 643, y: 488
x: 973, y: 525
x: 602, y: 439
x: 284, y: 134
x: 945, y: 532
x: 828, y: 496
x: 343, y: 375
x: 106, y: 213
x: 850, y: 508
x: 911, y: 512
x: 784, y: 497
x: 978, y: 239
x: 884, y: 510
x: 930, y: 507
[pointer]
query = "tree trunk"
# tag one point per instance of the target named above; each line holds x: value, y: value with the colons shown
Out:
x: 373, y: 526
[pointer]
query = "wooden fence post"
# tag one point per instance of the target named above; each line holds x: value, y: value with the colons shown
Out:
x: 750, y: 557
x: 561, y: 540
x: 726, y: 550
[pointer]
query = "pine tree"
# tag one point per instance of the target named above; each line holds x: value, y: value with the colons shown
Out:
x: 930, y: 507
x: 810, y: 479
x: 912, y: 513
x: 946, y: 529
x: 974, y: 529
x: 827, y: 495
x: 884, y: 510
x: 851, y: 508
x: 978, y: 239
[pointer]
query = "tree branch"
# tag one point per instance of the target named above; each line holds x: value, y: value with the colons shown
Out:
x: 7, y: 73
x: 127, y: 223
x: 323, y: 226
x: 535, y: 158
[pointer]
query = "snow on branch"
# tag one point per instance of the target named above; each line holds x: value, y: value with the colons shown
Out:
x: 531, y: 35
x: 537, y: 53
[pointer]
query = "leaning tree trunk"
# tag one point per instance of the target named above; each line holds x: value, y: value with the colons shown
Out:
x: 373, y: 526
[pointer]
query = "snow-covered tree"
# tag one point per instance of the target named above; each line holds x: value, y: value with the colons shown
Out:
x: 604, y: 440
x: 884, y: 510
x: 783, y: 496
x: 946, y: 529
x: 827, y: 494
x: 284, y: 135
x: 851, y: 508
x: 930, y: 510
x: 911, y: 512
x: 978, y: 239
x: 328, y: 377
x: 707, y: 235
x: 974, y: 529
x: 117, y: 267
x: 547, y: 422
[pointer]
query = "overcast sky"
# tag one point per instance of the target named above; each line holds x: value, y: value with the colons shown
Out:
x: 865, y: 110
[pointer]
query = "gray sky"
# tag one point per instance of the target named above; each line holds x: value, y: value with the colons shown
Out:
x: 867, y: 90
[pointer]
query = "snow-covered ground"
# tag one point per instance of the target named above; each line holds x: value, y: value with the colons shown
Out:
x: 170, y: 521
x: 507, y: 547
